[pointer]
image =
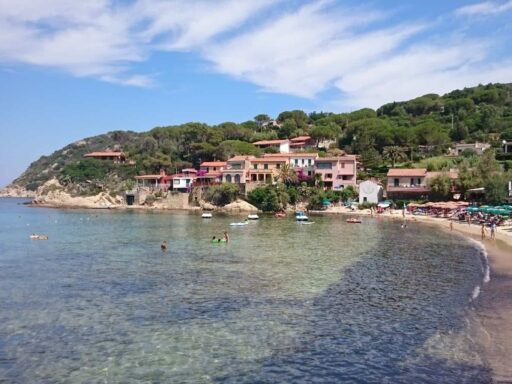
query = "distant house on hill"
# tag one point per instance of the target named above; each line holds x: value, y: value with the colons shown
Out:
x: 370, y: 192
x: 116, y: 157
x: 478, y: 148
x: 302, y: 143
x: 282, y: 146
x: 507, y: 146
x: 406, y: 183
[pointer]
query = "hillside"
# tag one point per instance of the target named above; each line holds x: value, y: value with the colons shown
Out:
x: 422, y: 127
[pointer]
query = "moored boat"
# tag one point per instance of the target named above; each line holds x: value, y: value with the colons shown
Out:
x: 38, y: 237
x: 253, y: 216
x: 301, y: 216
x: 207, y: 215
x: 280, y: 214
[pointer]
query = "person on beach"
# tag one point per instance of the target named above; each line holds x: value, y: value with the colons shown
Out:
x: 469, y: 220
x: 493, y: 231
x: 483, y: 231
x: 451, y: 225
x: 226, y: 237
x: 163, y: 246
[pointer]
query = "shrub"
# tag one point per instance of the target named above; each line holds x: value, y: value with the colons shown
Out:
x: 268, y: 198
x: 222, y: 194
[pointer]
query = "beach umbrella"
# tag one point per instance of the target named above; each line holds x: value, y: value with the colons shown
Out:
x: 472, y: 209
x: 326, y: 202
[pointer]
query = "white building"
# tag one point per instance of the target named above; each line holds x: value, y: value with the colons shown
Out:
x: 370, y: 192
x: 283, y: 146
x: 478, y: 148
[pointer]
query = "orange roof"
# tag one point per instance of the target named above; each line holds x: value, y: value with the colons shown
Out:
x: 344, y: 157
x: 270, y: 160
x: 103, y: 154
x: 301, y: 138
x: 414, y: 172
x: 297, y: 154
x: 240, y: 158
x: 270, y: 142
x: 213, y: 164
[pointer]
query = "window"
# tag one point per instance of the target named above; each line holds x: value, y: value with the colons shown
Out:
x: 419, y: 181
x: 412, y: 181
x: 309, y: 161
x: 296, y: 161
x: 342, y: 164
x: 265, y: 166
x: 236, y: 166
x: 309, y: 173
x: 255, y: 166
x: 187, y: 181
x: 303, y: 161
x: 228, y: 178
x: 365, y: 199
x: 328, y: 175
x: 278, y: 166
x: 396, y: 182
x: 214, y: 168
x: 324, y: 165
x: 176, y: 181
x: 237, y: 179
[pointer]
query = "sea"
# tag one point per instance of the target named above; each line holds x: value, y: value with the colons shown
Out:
x: 282, y: 302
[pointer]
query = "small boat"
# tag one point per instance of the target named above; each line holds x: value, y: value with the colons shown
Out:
x: 305, y: 222
x: 207, y: 215
x: 253, y: 216
x: 353, y: 221
x: 38, y: 237
x: 301, y: 216
x: 280, y: 214
x: 240, y: 224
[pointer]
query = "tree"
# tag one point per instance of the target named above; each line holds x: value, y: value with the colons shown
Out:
x: 262, y: 119
x: 441, y: 186
x: 370, y: 158
x: 287, y: 129
x: 394, y: 153
x: 287, y: 175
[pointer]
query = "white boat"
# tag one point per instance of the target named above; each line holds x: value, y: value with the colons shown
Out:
x: 300, y: 216
x: 207, y: 215
x: 241, y: 224
x: 305, y: 222
x: 253, y: 216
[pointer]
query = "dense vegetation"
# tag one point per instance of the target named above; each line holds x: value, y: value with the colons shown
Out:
x: 399, y: 133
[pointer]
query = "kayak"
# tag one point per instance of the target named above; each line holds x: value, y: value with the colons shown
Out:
x: 39, y: 237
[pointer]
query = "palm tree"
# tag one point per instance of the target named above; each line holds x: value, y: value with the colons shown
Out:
x: 287, y: 175
x: 394, y: 153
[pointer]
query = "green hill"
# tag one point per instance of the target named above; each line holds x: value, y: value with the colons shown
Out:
x: 422, y: 127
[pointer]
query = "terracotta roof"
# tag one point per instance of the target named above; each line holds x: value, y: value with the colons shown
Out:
x: 269, y: 160
x: 270, y: 142
x: 291, y: 154
x: 103, y: 154
x: 344, y: 157
x: 301, y: 138
x: 240, y: 158
x: 213, y: 164
x: 148, y: 177
x: 414, y: 172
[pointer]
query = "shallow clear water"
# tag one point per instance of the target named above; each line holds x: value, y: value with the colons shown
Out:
x: 283, y: 302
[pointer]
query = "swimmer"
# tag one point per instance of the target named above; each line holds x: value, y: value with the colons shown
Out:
x: 226, y: 237
x: 163, y: 246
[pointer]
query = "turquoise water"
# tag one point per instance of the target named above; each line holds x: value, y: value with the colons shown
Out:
x: 99, y: 302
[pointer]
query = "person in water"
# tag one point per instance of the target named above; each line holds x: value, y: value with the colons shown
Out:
x: 163, y: 246
x: 493, y: 231
x: 226, y: 237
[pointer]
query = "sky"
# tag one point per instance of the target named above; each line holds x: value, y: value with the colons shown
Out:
x: 74, y: 69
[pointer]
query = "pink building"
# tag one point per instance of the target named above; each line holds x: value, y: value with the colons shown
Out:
x: 337, y: 172
x: 210, y: 172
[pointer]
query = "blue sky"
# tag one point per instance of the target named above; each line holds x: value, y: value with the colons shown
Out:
x: 70, y: 70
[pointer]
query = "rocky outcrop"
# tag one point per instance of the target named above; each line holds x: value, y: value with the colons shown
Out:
x: 53, y: 194
x: 16, y: 191
x: 238, y: 206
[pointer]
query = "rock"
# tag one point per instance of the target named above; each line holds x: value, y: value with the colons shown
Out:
x: 16, y: 191
x: 238, y: 206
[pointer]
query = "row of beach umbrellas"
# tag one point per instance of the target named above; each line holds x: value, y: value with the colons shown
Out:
x: 494, y: 210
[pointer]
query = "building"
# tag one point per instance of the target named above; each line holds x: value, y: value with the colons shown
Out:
x: 157, y: 181
x: 507, y: 146
x: 265, y: 170
x: 237, y: 171
x: 407, y: 183
x: 370, y: 192
x: 478, y: 148
x: 210, y: 172
x: 282, y: 146
x: 302, y: 163
x: 302, y: 143
x: 116, y: 157
x: 337, y: 172
x: 183, y: 181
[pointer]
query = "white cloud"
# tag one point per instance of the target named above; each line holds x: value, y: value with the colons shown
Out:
x: 298, y: 50
x: 484, y: 8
